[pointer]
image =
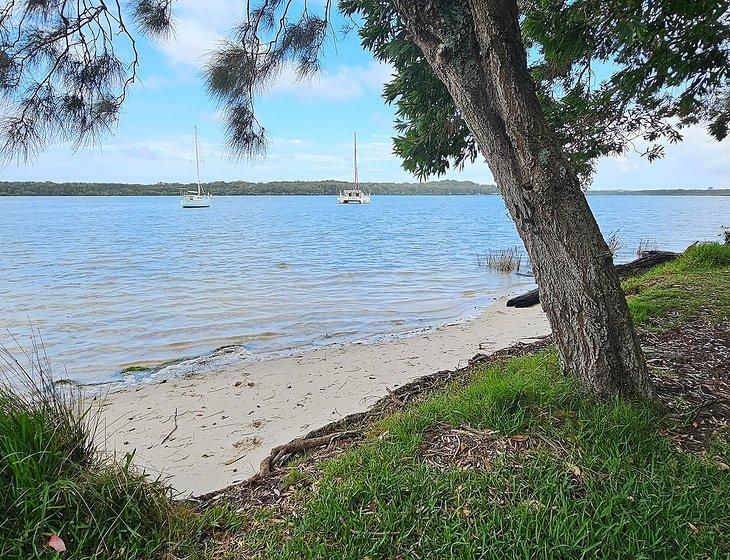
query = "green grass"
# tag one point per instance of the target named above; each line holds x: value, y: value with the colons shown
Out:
x: 638, y: 498
x: 698, y: 281
x: 54, y: 480
x: 134, y: 369
x: 635, y: 497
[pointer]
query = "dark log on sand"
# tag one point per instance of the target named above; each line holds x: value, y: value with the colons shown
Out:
x: 648, y: 259
x: 528, y: 299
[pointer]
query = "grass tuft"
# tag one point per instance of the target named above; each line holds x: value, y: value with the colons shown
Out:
x: 703, y: 256
x: 503, y: 260
x: 646, y: 245
x: 55, y: 481
x: 699, y: 279
x: 614, y: 242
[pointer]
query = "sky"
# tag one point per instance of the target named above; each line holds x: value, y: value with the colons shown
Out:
x: 310, y: 125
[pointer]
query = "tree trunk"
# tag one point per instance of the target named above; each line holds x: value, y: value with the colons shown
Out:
x: 475, y: 48
x: 647, y: 261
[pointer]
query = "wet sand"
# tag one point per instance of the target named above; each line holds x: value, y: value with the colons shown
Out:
x: 206, y: 431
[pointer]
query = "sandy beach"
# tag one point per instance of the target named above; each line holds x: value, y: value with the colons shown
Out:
x: 206, y: 431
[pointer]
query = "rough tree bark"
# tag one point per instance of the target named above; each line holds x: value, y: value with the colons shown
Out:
x: 475, y: 48
x: 647, y: 261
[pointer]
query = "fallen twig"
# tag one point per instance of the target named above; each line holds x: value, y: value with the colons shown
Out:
x: 171, y: 431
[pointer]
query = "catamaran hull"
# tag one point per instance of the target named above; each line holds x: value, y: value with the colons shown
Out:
x: 360, y: 199
x: 353, y: 196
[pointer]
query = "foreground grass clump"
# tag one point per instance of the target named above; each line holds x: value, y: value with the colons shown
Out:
x: 583, y: 479
x: 698, y: 281
x: 54, y: 481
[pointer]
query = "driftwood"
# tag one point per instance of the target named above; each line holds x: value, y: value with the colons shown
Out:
x: 648, y: 259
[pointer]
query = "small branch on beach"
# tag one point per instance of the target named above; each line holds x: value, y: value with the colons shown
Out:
x: 392, y: 396
x: 167, y: 437
x: 299, y: 445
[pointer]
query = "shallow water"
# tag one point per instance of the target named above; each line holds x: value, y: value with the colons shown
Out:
x: 117, y: 281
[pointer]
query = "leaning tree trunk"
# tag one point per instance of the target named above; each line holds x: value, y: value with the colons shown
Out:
x: 475, y: 48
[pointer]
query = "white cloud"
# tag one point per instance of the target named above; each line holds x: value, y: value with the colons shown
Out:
x: 376, y: 74
x: 698, y: 161
x: 190, y: 43
x: 212, y: 116
x: 171, y: 158
x: 140, y: 152
x: 347, y: 82
x: 217, y: 15
x: 292, y: 142
x: 199, y: 26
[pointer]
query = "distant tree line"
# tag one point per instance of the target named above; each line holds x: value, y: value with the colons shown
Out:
x: 280, y: 188
x: 663, y: 192
x: 21, y: 188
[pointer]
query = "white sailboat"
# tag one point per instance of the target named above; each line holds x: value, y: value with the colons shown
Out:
x: 354, y: 196
x: 196, y: 199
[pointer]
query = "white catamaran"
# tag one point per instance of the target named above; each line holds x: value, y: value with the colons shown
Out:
x: 196, y: 199
x: 354, y: 196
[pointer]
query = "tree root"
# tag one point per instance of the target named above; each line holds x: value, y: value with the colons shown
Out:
x: 299, y: 445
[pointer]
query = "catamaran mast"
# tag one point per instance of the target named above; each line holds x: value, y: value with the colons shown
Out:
x: 357, y: 183
x: 197, y: 159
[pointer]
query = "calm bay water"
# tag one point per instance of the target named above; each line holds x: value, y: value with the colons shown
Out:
x: 117, y: 281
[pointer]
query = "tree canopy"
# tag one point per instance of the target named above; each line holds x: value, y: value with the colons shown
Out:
x: 610, y: 74
x: 66, y: 67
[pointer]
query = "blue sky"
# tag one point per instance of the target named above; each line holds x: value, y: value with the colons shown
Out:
x: 310, y: 125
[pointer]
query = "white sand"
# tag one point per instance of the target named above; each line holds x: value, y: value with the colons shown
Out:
x: 230, y: 418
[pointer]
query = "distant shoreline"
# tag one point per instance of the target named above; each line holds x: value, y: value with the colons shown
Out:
x: 300, y: 188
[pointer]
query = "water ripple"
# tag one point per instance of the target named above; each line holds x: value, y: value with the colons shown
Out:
x: 113, y: 281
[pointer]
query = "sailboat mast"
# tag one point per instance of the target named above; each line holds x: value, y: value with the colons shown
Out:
x: 197, y: 159
x: 357, y: 182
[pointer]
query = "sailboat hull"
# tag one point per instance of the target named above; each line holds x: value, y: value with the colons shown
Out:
x: 195, y: 201
x: 196, y: 198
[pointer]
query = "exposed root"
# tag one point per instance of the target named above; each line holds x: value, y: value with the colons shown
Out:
x: 265, y: 487
x: 300, y: 445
